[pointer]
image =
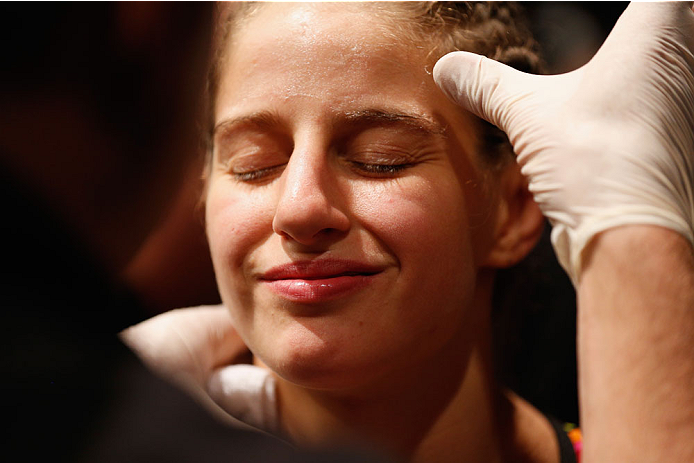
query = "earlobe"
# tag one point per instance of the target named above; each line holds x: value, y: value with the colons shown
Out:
x: 519, y: 221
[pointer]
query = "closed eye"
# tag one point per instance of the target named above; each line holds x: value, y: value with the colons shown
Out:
x: 258, y: 175
x: 380, y: 170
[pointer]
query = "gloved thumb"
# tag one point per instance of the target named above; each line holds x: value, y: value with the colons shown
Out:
x: 490, y: 90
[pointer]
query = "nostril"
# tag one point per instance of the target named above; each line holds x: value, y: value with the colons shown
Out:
x: 310, y: 204
x: 310, y: 221
x: 311, y: 234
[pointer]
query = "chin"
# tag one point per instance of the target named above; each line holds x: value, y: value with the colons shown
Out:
x: 314, y: 362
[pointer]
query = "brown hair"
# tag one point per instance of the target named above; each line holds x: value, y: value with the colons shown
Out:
x: 497, y: 30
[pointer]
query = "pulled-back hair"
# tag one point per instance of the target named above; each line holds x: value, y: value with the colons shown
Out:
x: 497, y: 30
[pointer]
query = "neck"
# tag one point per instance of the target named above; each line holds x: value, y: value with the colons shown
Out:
x: 435, y: 410
x: 444, y: 409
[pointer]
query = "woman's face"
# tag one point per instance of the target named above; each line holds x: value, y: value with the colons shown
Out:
x: 344, y: 213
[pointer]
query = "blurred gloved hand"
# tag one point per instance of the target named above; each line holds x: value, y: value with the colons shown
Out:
x: 186, y: 345
x: 609, y: 144
x: 197, y: 348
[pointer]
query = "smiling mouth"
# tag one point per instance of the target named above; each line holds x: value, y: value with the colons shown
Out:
x: 321, y: 277
x: 319, y: 281
x: 320, y: 270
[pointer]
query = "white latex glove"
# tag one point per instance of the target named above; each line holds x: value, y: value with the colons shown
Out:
x: 609, y: 144
x: 196, y: 348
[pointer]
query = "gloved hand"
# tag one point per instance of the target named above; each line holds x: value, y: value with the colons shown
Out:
x: 186, y: 345
x: 196, y: 348
x: 609, y: 144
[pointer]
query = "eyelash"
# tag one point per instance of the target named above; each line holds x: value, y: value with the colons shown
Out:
x: 381, y: 169
x: 376, y: 170
x: 256, y: 175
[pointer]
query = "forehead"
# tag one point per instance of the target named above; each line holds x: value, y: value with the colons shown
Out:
x: 341, y: 53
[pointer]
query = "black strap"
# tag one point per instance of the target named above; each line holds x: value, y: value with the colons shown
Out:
x: 566, y: 447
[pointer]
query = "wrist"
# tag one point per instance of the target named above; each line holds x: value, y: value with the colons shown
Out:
x: 643, y: 244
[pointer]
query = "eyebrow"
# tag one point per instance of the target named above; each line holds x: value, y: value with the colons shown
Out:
x: 385, y: 117
x: 365, y: 117
x: 260, y: 119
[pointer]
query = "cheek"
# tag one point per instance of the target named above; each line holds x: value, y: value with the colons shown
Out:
x: 418, y: 219
x: 424, y: 224
x: 236, y: 224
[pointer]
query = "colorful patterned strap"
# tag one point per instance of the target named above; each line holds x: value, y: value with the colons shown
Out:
x: 576, y: 438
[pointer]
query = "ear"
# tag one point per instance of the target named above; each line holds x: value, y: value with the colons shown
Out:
x: 519, y: 221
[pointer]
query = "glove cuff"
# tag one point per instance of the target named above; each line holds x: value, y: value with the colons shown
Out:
x: 569, y: 244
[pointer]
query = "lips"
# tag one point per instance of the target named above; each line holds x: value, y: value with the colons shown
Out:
x: 319, y: 280
x: 319, y: 269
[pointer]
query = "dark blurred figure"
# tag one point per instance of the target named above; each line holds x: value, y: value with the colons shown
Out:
x: 97, y: 116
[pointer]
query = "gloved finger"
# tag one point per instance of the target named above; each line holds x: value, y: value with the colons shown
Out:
x: 647, y: 30
x: 186, y: 344
x: 502, y: 95
x: 654, y: 14
x: 490, y: 90
x: 248, y: 394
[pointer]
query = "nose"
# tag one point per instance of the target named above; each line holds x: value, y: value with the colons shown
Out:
x: 310, y: 207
